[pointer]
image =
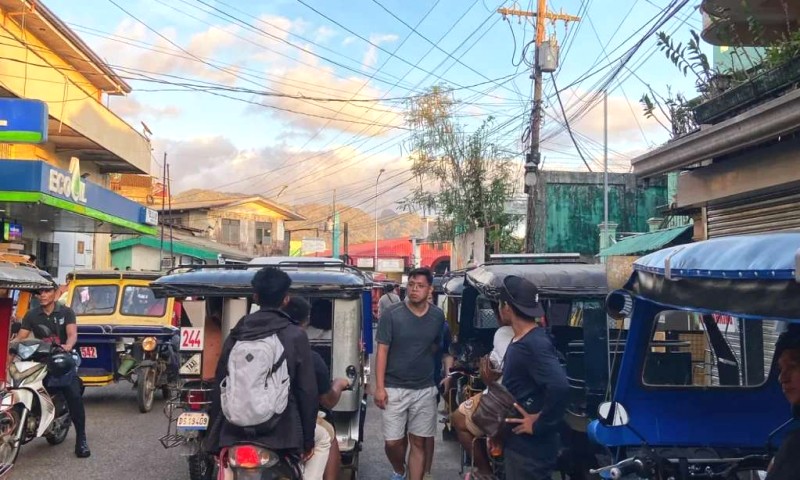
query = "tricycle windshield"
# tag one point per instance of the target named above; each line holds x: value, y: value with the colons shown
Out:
x: 690, y: 349
x: 95, y: 299
x: 140, y: 301
x: 118, y: 298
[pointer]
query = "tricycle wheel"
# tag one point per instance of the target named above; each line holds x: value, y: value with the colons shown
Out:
x: 9, y: 447
x: 60, y: 431
x: 201, y: 467
x: 146, y: 388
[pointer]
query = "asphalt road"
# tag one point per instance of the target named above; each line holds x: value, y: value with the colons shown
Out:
x: 125, y: 446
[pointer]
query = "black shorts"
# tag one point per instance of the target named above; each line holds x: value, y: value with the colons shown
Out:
x: 519, y: 466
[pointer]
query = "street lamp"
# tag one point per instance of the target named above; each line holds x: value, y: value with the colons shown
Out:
x: 375, y: 263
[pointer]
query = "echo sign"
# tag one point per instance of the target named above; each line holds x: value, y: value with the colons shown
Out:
x: 70, y: 186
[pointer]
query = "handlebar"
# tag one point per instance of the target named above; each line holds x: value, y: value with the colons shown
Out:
x: 619, y: 470
x: 648, y: 466
x: 463, y: 370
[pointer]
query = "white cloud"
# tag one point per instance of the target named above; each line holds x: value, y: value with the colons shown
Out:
x: 323, y: 34
x: 216, y: 163
x: 371, y: 55
x: 130, y: 108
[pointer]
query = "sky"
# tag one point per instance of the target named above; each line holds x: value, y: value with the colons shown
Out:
x: 238, y: 94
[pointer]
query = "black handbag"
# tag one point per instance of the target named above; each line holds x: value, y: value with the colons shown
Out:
x: 495, y: 406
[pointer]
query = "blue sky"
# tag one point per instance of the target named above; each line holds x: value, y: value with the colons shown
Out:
x: 232, y: 141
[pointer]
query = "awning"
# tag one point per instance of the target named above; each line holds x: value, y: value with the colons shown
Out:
x: 195, y: 247
x: 647, y: 242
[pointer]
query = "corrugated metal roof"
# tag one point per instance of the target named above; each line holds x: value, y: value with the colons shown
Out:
x: 209, y: 199
x: 645, y: 242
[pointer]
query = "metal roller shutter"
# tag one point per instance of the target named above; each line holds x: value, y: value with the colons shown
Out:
x: 766, y: 213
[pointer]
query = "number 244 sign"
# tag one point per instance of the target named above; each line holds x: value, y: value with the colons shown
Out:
x: 192, y: 339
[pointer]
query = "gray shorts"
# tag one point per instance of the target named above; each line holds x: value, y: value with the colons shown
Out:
x: 415, y: 409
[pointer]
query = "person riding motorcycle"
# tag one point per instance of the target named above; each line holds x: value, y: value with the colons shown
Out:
x: 60, y: 320
x: 294, y: 431
x: 786, y: 464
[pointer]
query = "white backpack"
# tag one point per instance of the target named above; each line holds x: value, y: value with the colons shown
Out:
x: 257, y: 387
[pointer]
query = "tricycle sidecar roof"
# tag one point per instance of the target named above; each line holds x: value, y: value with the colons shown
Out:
x: 563, y: 279
x: 745, y: 276
x: 22, y: 277
x: 112, y: 274
x: 234, y: 280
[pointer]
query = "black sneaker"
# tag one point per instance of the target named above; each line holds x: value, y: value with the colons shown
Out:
x: 82, y: 448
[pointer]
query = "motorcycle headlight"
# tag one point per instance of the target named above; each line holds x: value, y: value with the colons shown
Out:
x: 249, y: 456
x: 25, y: 352
x: 149, y: 344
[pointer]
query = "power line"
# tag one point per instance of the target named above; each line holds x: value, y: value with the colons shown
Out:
x: 566, y: 122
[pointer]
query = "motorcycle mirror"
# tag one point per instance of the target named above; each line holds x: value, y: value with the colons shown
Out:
x: 612, y: 414
x: 41, y: 331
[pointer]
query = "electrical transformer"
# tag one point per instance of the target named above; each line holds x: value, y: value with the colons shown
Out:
x: 548, y: 56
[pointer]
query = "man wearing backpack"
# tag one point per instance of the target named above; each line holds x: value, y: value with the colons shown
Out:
x: 266, y: 345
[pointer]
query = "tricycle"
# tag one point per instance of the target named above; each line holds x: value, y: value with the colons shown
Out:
x: 17, y: 275
x: 124, y: 332
x: 340, y: 331
x: 697, y: 395
x: 572, y: 295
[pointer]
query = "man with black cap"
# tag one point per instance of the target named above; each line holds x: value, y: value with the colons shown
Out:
x: 533, y: 374
x: 60, y: 320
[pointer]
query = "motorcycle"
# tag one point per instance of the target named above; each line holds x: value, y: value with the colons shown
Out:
x: 27, y: 410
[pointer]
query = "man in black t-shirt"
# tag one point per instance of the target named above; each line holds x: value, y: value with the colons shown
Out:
x: 60, y: 320
x: 329, y: 393
x: 533, y: 374
x: 786, y: 464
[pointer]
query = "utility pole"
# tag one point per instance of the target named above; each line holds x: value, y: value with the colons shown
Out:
x: 533, y: 158
x: 606, y: 240
x: 161, y: 214
x: 334, y: 229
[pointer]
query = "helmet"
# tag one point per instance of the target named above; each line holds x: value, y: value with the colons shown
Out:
x: 60, y: 364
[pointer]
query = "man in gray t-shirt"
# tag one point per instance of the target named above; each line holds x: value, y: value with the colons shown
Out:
x: 408, y: 338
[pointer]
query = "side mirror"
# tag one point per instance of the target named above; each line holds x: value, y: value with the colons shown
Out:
x: 619, y: 304
x: 41, y: 331
x: 612, y: 414
x: 16, y: 327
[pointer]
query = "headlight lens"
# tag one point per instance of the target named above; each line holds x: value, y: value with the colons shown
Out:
x: 25, y: 352
x: 149, y: 344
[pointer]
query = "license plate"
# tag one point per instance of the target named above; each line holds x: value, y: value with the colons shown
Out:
x: 88, y: 352
x: 193, y: 421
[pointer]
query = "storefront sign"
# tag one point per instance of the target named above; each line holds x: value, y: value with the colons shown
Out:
x: 11, y: 231
x: 23, y: 121
x: 388, y: 265
x: 71, y: 186
x: 313, y: 245
x: 149, y: 217
x: 365, y: 262
x: 26, y: 181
